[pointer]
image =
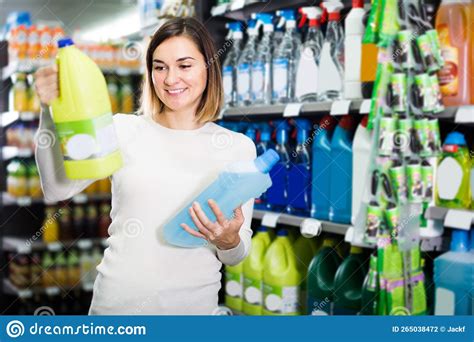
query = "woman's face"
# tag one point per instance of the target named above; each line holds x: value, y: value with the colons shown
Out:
x: 179, y: 73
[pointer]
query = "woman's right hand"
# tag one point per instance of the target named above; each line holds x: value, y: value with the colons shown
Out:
x: 47, y: 84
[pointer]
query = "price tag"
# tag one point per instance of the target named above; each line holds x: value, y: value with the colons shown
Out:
x: 340, y: 107
x: 292, y: 109
x: 27, y: 116
x: 52, y: 290
x: 84, y: 244
x: 270, y: 219
x: 25, y: 293
x: 365, y: 106
x: 54, y: 246
x: 24, y: 201
x: 25, y: 152
x: 88, y: 287
x: 465, y: 114
x: 80, y: 198
x: 219, y: 10
x: 459, y: 219
x: 238, y: 4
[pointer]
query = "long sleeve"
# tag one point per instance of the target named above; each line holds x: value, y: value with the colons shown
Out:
x: 56, y: 186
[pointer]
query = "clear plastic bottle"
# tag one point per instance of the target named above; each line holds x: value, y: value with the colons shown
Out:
x: 244, y: 70
x: 229, y: 67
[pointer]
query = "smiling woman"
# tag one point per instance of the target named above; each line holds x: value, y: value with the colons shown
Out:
x: 170, y: 152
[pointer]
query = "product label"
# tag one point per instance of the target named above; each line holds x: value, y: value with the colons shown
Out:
x: 388, y: 127
x: 434, y: 140
x: 404, y: 38
x: 257, y: 80
x: 399, y: 89
x: 233, y: 284
x: 426, y: 92
x: 253, y: 291
x: 398, y: 178
x: 404, y: 136
x: 281, y: 299
x: 87, y: 139
x: 449, y: 74
x: 280, y: 77
x: 227, y: 80
x: 393, y: 220
x: 421, y: 129
x: 415, y: 184
x: 424, y: 43
x: 374, y: 222
x: 435, y: 46
x: 243, y: 82
x: 427, y: 178
x: 436, y: 93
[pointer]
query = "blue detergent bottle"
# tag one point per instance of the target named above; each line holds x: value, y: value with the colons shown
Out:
x: 277, y: 195
x: 321, y: 170
x: 340, y: 192
x: 263, y: 146
x: 299, y: 176
x: 453, y: 277
x: 238, y: 183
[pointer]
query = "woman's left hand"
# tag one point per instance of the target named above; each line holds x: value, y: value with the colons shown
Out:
x: 224, y: 233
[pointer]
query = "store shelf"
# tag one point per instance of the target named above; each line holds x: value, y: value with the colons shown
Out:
x: 460, y: 115
x: 452, y: 218
x: 14, y: 67
x: 10, y: 152
x: 307, y: 108
x: 25, y: 246
x: 298, y: 221
x: 26, y: 201
x: 11, y: 289
x: 7, y: 118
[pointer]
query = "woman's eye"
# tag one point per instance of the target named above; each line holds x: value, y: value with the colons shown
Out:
x: 159, y: 68
x: 185, y: 66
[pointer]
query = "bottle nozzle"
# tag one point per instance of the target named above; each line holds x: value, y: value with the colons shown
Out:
x: 266, y: 161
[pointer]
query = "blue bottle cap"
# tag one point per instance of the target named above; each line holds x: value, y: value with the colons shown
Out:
x: 265, y: 136
x: 282, y: 232
x: 262, y: 229
x: 266, y: 161
x: 459, y: 240
x: 455, y: 138
x: 65, y: 42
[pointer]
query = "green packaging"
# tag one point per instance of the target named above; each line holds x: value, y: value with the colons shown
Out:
x: 392, y: 217
x: 405, y: 132
x: 427, y: 180
x: 371, y: 34
x: 389, y: 23
x: 425, y: 47
x: 423, y: 84
x: 388, y: 127
x: 435, y: 47
x: 420, y: 126
x: 399, y: 92
x: 414, y: 182
x: 419, y: 299
x: 374, y: 222
x: 398, y: 178
x: 437, y: 99
x: 434, y: 140
x: 382, y: 80
x: 404, y: 41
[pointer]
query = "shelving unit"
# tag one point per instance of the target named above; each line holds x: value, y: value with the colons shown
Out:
x: 25, y: 201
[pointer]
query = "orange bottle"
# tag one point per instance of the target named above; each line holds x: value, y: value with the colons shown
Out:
x: 453, y: 22
x: 22, y: 42
x: 33, y: 44
x: 45, y: 36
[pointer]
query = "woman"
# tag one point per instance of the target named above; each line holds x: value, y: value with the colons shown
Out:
x: 170, y: 152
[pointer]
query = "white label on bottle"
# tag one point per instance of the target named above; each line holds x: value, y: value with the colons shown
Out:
x: 233, y: 288
x: 253, y: 295
x: 227, y: 80
x: 257, y: 80
x: 280, y: 77
x: 444, y: 302
x: 449, y: 178
x: 243, y: 81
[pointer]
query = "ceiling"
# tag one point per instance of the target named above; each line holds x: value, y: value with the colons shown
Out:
x: 82, y: 15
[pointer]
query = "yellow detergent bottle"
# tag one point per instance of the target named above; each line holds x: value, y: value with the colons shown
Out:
x: 234, y: 280
x: 253, y: 273
x: 83, y: 117
x: 305, y: 250
x: 281, y: 278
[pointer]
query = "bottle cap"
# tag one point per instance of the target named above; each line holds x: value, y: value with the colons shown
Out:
x: 65, y: 42
x: 459, y: 240
x: 365, y: 121
x: 266, y: 161
x: 455, y: 138
x: 265, y: 136
x: 262, y: 229
x: 357, y: 3
x: 328, y: 123
x: 347, y: 122
x: 282, y: 232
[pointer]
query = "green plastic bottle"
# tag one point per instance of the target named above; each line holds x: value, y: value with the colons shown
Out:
x: 83, y: 117
x: 253, y: 273
x: 348, y: 283
x: 234, y: 280
x: 452, y: 177
x: 370, y: 289
x: 281, y: 278
x: 320, y: 281
x: 305, y: 250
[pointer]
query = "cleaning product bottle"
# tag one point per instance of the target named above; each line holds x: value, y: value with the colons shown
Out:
x: 452, y: 23
x: 83, y: 118
x: 348, y: 282
x: 453, y: 275
x: 253, y: 273
x: 370, y: 289
x: 50, y: 226
x: 354, y: 30
x: 281, y: 278
x: 229, y: 67
x: 277, y: 194
x: 331, y: 70
x: 263, y: 146
x: 360, y: 166
x: 320, y: 281
x: 299, y: 177
x: 244, y: 64
x: 321, y: 168
x: 285, y: 60
x: 234, y: 280
x: 308, y: 64
x: 340, y: 194
x: 262, y: 63
x: 453, y: 173
x: 234, y: 186
x: 305, y: 250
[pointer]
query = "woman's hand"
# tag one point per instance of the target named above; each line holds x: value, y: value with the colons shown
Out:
x: 224, y: 234
x: 47, y: 84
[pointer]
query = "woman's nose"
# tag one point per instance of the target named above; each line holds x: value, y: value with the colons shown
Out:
x: 172, y: 76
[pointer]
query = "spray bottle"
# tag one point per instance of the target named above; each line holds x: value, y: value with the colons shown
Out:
x: 229, y: 69
x: 308, y: 64
x: 244, y: 76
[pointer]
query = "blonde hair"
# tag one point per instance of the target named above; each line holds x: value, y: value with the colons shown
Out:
x: 212, y: 98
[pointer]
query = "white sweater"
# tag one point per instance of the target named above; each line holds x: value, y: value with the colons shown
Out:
x: 163, y: 170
